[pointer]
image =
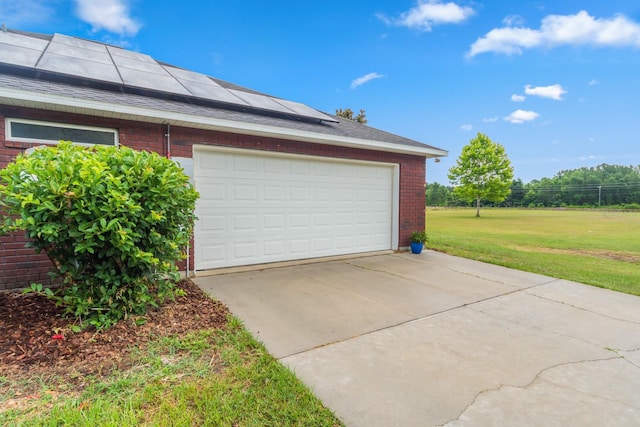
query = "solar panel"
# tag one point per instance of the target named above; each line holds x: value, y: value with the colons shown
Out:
x: 144, y: 79
x: 18, y: 50
x: 304, y: 110
x: 123, y: 53
x: 66, y: 55
x: 202, y: 86
x: 182, y: 74
x: 261, y: 101
x: 69, y: 65
x: 76, y: 52
x: 99, y: 62
x: 79, y: 43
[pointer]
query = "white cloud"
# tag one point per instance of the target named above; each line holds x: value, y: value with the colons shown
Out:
x: 110, y: 15
x: 428, y: 13
x: 521, y: 116
x: 18, y: 13
x: 594, y: 82
x: 552, y: 92
x: 513, y: 21
x: 466, y: 128
x: 490, y: 119
x: 557, y: 30
x: 364, y: 79
x: 518, y: 98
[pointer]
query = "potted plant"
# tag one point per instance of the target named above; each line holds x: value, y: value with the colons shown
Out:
x: 417, y: 241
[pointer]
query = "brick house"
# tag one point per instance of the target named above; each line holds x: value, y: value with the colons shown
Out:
x: 278, y: 180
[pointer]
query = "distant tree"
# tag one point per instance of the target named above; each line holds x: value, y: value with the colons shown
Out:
x: 348, y: 114
x: 437, y: 194
x: 516, y: 197
x: 603, y: 185
x: 482, y: 171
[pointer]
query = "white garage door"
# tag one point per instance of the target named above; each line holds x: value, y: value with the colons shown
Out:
x: 258, y: 207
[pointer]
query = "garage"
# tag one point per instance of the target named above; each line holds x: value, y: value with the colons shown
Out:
x: 279, y: 180
x: 259, y: 207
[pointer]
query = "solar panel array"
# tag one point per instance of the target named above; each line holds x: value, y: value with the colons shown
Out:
x: 93, y: 61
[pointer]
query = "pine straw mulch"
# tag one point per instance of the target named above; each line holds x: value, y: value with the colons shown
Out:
x: 36, y: 341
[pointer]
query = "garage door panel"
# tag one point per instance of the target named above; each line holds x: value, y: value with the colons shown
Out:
x: 344, y: 243
x: 210, y: 190
x: 257, y: 207
x: 273, y: 193
x: 273, y: 247
x: 244, y: 250
x: 274, y: 222
x: 245, y: 223
x: 243, y: 164
x: 215, y: 223
x: 216, y: 253
x: 301, y: 168
x: 322, y: 219
x: 274, y: 166
x: 299, y: 194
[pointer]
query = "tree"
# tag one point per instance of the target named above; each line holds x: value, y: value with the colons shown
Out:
x: 516, y: 197
x: 603, y: 185
x: 436, y: 194
x: 482, y: 171
x: 348, y: 114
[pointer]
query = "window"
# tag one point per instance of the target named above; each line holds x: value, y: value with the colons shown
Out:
x: 52, y: 133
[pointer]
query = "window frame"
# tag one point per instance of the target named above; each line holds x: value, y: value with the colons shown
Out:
x: 9, y: 136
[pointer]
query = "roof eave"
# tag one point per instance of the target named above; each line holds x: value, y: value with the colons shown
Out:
x: 53, y: 102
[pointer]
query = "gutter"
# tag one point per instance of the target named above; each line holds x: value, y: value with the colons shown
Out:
x: 53, y: 102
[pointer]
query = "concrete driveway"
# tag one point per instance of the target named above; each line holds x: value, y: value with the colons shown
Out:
x: 431, y: 339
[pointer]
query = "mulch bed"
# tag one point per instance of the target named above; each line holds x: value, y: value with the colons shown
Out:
x: 36, y: 340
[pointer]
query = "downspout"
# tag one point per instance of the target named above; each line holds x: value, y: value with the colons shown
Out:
x: 168, y: 136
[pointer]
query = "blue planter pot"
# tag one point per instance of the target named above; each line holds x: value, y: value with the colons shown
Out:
x: 416, y: 248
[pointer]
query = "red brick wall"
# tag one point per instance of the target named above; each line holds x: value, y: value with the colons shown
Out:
x: 20, y: 266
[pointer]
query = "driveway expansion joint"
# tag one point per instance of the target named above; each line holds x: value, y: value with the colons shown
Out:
x: 417, y: 319
x: 373, y: 269
x: 550, y: 331
x: 582, y: 308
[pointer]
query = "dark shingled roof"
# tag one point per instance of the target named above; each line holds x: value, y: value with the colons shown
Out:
x: 78, y: 88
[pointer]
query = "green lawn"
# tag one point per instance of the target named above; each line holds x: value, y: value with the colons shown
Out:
x: 599, y: 248
x: 217, y: 377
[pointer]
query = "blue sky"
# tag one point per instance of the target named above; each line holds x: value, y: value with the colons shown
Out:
x: 556, y: 82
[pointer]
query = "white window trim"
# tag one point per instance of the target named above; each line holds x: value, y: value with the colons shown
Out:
x: 10, y: 137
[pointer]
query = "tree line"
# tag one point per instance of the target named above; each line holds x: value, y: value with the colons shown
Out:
x: 602, y: 185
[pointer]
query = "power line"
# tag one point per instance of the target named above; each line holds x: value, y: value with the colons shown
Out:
x: 577, y: 187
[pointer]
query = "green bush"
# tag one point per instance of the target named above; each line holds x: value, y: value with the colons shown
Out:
x: 114, y: 222
x: 631, y: 206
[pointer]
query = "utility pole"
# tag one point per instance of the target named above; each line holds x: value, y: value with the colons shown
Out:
x: 599, y: 193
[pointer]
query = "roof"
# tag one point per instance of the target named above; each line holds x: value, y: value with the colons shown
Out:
x: 62, y: 73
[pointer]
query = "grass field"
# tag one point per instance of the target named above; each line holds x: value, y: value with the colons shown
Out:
x: 599, y: 248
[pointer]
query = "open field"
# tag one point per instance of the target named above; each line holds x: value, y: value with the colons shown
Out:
x: 599, y: 248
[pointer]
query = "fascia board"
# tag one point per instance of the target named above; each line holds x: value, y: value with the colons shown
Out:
x: 112, y: 110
